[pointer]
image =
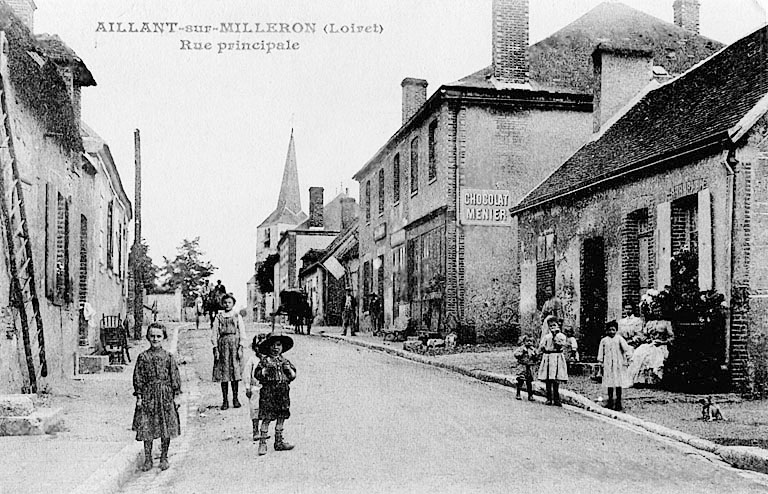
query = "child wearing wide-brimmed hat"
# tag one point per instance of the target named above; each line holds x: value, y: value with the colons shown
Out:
x: 252, y: 384
x: 275, y: 373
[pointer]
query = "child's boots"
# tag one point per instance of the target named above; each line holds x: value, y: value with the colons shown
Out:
x: 147, y: 465
x: 529, y: 388
x: 256, y: 433
x: 263, y: 443
x: 618, y: 406
x: 281, y: 445
x: 519, y: 389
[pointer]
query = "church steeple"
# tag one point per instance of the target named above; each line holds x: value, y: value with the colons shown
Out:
x: 290, y: 198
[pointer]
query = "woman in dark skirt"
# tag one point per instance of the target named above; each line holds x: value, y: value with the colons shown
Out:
x: 275, y: 373
x: 228, y: 339
x: 157, y: 386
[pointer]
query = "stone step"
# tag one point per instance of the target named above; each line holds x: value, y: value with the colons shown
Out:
x: 41, y: 421
x: 15, y: 405
x: 92, y: 364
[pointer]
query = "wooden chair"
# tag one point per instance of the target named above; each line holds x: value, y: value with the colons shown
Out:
x: 113, y: 338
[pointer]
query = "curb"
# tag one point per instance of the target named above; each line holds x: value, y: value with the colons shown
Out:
x: 112, y: 474
x: 742, y: 457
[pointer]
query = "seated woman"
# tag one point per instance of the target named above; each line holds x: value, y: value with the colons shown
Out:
x: 647, y: 366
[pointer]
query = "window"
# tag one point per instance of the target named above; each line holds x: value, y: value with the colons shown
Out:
x: 432, y: 150
x: 545, y: 268
x: 381, y: 191
x: 415, y: 165
x: 396, y: 178
x: 685, y: 232
x: 267, y: 237
x: 63, y: 289
x: 110, y: 234
x: 635, y: 258
x: 368, y: 201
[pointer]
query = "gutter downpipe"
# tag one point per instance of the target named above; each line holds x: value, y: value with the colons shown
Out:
x: 728, y: 161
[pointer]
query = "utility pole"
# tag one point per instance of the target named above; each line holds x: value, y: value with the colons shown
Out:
x: 138, y: 279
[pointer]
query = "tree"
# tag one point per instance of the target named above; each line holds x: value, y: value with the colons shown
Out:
x: 265, y: 273
x: 187, y: 270
x: 139, y: 256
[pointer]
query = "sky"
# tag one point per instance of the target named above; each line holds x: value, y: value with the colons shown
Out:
x: 215, y: 126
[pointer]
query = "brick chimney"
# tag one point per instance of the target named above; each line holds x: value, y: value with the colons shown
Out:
x: 414, y: 96
x: 510, y: 41
x: 620, y: 74
x: 687, y: 14
x: 25, y: 11
x: 315, y: 207
x: 348, y: 212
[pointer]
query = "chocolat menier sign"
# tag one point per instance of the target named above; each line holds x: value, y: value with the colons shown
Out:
x: 489, y: 207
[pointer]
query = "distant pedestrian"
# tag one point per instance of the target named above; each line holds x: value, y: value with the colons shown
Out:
x: 526, y: 357
x: 349, y: 313
x: 572, y: 348
x: 375, y: 309
x: 157, y: 386
x: 553, y: 369
x: 199, y: 310
x: 275, y: 374
x: 613, y: 354
x: 252, y: 384
x: 228, y: 340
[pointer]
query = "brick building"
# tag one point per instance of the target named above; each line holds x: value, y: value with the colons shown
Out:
x: 683, y: 166
x: 76, y: 211
x: 437, y: 242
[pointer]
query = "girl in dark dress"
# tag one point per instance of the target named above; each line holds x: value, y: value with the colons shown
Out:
x: 228, y: 340
x: 157, y: 386
x: 275, y: 373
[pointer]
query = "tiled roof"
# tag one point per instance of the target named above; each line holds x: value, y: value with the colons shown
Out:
x: 702, y: 104
x: 563, y: 63
x: 38, y: 84
x: 55, y: 49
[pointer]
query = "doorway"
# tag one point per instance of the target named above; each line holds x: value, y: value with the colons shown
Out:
x: 594, y: 295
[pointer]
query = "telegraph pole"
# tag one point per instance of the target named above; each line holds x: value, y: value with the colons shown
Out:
x: 138, y: 280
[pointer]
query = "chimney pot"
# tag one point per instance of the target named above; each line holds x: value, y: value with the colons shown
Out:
x: 510, y: 41
x: 315, y: 207
x: 687, y: 14
x: 414, y: 96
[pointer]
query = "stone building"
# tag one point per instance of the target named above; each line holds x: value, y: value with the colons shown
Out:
x: 437, y: 242
x: 76, y: 212
x: 316, y: 233
x: 326, y: 274
x: 682, y: 167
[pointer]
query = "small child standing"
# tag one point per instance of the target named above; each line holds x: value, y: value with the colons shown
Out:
x: 526, y: 357
x: 275, y: 373
x: 553, y: 369
x: 252, y: 384
x: 613, y: 353
x: 156, y: 385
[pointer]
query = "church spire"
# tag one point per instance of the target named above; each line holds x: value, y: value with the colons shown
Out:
x: 290, y: 198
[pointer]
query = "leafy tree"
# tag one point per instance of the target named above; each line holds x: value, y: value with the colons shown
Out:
x: 139, y: 255
x: 187, y: 270
x: 265, y: 273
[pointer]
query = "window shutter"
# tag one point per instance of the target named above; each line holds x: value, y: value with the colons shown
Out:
x: 663, y: 244
x: 705, y: 239
x: 69, y: 291
x: 50, y: 241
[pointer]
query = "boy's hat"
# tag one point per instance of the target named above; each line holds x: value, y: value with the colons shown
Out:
x: 286, y: 340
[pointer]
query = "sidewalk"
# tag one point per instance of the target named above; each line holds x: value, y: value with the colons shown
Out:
x: 475, y: 364
x: 96, y: 452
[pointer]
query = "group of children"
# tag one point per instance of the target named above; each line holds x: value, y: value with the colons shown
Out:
x: 157, y: 384
x: 550, y: 356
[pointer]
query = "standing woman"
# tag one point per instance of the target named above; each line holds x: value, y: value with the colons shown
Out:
x: 228, y: 339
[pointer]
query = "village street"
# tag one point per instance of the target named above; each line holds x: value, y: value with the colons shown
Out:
x: 364, y: 421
